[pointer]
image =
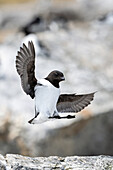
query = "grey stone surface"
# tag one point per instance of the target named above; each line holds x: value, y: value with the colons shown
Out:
x: 18, y: 162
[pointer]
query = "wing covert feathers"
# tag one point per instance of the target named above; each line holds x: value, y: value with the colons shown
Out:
x: 25, y: 65
x: 73, y: 103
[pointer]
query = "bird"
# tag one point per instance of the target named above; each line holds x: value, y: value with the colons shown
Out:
x: 49, y: 101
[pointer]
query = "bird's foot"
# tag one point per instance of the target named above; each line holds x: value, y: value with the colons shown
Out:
x: 55, y: 117
x: 30, y: 121
x: 64, y: 117
x: 70, y: 117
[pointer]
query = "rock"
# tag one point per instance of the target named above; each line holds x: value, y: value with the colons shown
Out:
x: 19, y: 162
x: 92, y: 136
x: 84, y: 10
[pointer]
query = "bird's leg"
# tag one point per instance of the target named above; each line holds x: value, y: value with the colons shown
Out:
x: 64, y: 117
x: 30, y: 121
x: 36, y: 114
x: 55, y: 117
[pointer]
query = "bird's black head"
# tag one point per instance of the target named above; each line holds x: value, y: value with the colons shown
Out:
x: 55, y: 77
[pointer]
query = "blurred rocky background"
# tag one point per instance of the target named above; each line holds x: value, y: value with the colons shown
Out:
x: 76, y: 37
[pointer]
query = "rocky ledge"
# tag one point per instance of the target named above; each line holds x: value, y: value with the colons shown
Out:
x: 18, y: 162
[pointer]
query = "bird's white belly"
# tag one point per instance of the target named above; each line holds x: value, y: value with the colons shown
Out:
x: 46, y: 97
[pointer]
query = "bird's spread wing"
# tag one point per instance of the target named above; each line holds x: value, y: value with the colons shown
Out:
x: 73, y: 103
x: 25, y: 65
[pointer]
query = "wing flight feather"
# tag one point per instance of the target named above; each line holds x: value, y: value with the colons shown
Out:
x: 73, y: 103
x: 25, y: 65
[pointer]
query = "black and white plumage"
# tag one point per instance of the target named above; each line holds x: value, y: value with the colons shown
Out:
x: 48, y: 100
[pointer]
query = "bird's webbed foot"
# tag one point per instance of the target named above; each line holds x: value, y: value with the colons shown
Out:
x: 70, y: 117
x: 30, y: 121
x: 55, y: 117
x: 64, y: 117
x: 36, y: 114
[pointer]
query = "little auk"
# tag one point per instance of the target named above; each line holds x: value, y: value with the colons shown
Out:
x: 46, y: 91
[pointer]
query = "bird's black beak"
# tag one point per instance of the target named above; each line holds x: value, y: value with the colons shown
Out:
x: 62, y: 78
